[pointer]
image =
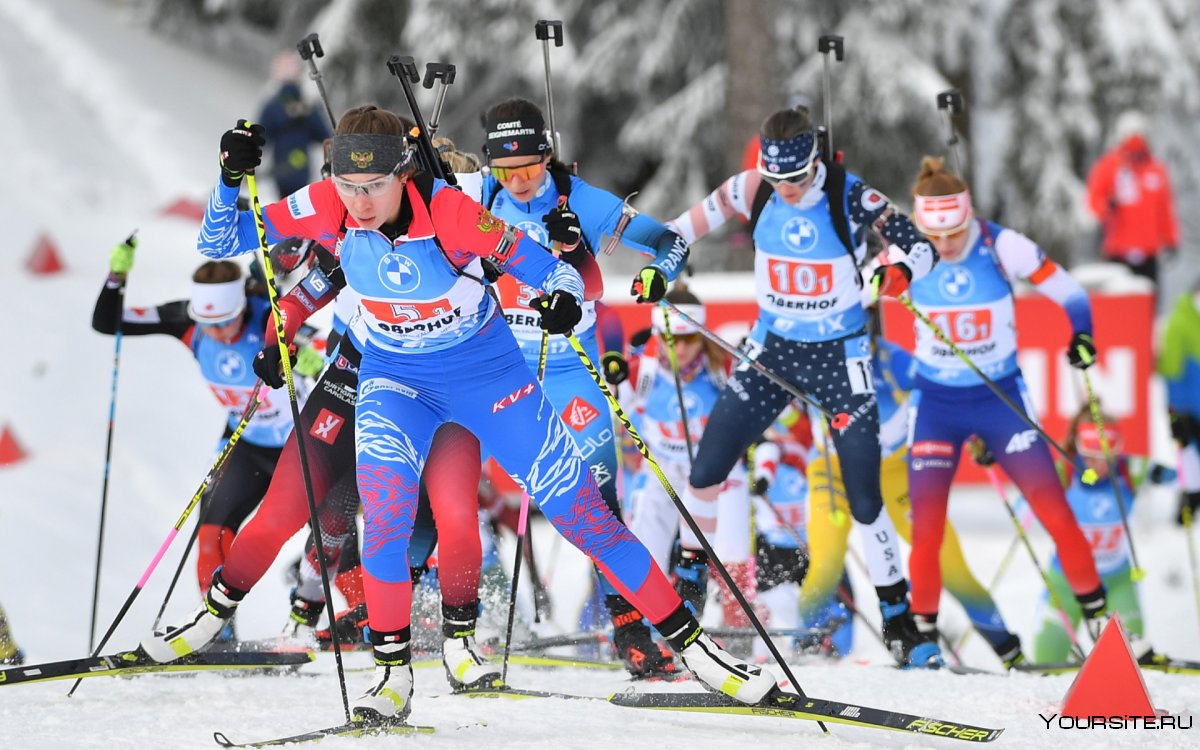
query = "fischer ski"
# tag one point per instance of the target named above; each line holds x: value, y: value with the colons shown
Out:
x: 352, y: 729
x: 791, y: 706
x: 137, y: 662
x: 1158, y: 664
x: 520, y: 694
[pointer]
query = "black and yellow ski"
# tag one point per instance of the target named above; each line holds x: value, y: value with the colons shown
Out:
x: 137, y: 662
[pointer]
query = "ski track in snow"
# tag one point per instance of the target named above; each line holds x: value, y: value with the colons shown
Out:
x: 110, y: 126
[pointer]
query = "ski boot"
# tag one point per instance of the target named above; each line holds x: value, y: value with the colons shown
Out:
x: 350, y: 624
x: 691, y: 579
x: 302, y: 620
x: 644, y: 657
x: 10, y: 653
x: 1095, y: 618
x: 466, y: 668
x: 389, y: 700
x: 909, y: 646
x: 204, y: 624
x: 716, y: 669
x: 1009, y: 651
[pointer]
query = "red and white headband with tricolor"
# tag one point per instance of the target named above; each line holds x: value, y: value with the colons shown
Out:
x: 942, y: 215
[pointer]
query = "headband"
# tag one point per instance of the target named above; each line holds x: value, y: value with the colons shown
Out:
x: 942, y: 215
x: 213, y: 304
x: 369, y: 153
x: 679, y: 326
x: 788, y: 157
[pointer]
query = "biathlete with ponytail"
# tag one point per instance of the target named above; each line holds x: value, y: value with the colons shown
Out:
x: 969, y: 296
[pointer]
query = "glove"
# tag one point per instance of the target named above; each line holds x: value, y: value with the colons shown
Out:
x: 1191, y: 501
x: 616, y: 369
x: 241, y: 151
x: 560, y: 311
x: 563, y: 227
x: 891, y: 280
x: 1081, y: 352
x: 980, y: 453
x: 309, y: 361
x: 121, y: 259
x: 268, y: 365
x: 1184, y: 428
x: 650, y: 285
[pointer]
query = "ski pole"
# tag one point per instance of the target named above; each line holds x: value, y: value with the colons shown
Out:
x: 839, y: 421
x: 112, y: 413
x: 310, y: 49
x: 442, y: 74
x: 950, y: 103
x: 991, y: 384
x: 187, y: 550
x: 547, y: 31
x: 522, y: 522
x: 1055, y: 601
x: 251, y: 407
x: 1136, y: 572
x: 683, y: 415
x: 686, y: 515
x: 825, y: 45
x: 285, y: 360
x: 1187, y: 518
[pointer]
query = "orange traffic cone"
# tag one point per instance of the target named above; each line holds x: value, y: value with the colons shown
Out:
x: 44, y: 259
x: 185, y: 208
x: 11, y: 451
x: 1110, y: 682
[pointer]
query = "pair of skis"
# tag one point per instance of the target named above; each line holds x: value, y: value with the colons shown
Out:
x: 779, y: 705
x: 137, y: 662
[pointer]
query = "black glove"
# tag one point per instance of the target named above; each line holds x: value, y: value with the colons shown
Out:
x: 563, y: 227
x: 268, y: 365
x: 650, y: 285
x: 560, y: 311
x: 241, y: 151
x: 640, y: 338
x: 1184, y: 428
x: 980, y: 452
x: 616, y: 369
x: 1081, y: 352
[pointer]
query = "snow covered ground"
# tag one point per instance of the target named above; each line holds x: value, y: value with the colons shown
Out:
x: 105, y: 126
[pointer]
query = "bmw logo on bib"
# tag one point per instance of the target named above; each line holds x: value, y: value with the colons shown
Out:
x: 231, y: 366
x: 800, y: 234
x: 399, y: 273
x: 956, y: 283
x: 535, y: 231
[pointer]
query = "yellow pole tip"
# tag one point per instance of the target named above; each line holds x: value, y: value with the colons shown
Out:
x: 1089, y: 476
x: 1137, y: 574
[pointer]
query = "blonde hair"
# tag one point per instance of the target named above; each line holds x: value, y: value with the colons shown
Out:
x: 934, y: 179
x: 461, y: 162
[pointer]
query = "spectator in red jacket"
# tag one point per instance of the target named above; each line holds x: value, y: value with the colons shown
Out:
x: 1129, y: 191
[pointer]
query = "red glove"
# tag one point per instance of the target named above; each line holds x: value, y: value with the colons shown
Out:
x: 891, y: 281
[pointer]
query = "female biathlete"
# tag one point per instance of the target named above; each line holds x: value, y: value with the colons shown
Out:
x: 970, y: 298
x: 809, y: 221
x: 222, y: 325
x: 436, y: 351
x: 701, y: 369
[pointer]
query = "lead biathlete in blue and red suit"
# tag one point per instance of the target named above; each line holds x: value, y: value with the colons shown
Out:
x: 436, y: 351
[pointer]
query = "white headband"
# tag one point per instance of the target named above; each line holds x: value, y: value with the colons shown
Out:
x: 679, y: 326
x: 217, y: 303
x: 942, y: 215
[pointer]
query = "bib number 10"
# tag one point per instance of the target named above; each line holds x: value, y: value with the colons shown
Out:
x: 807, y: 279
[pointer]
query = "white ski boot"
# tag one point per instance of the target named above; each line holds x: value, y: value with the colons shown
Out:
x: 389, y: 700
x: 721, y: 672
x: 203, y: 625
x: 466, y: 669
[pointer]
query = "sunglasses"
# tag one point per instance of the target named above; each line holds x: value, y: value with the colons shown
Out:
x: 795, y: 178
x: 686, y: 338
x: 525, y: 171
x: 372, y: 189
